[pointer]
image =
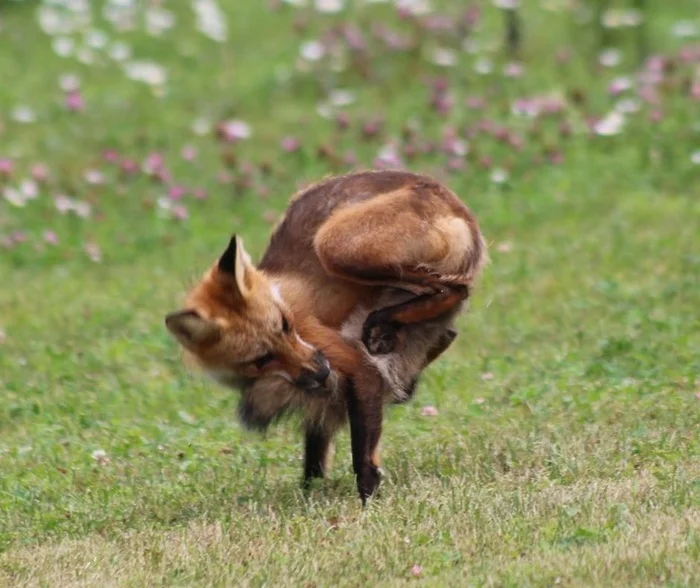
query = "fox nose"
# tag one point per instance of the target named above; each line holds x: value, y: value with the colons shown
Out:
x: 311, y: 379
x: 323, y: 368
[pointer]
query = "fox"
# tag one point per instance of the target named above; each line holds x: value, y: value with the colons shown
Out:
x: 355, y: 296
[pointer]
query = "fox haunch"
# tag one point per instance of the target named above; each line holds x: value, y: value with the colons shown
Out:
x: 355, y: 296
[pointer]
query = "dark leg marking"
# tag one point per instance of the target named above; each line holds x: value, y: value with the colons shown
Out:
x: 316, y: 446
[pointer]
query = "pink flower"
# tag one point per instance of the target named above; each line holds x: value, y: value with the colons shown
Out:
x: 475, y: 102
x: 18, y: 237
x: 40, y: 172
x: 656, y: 116
x: 349, y: 158
x: 514, y: 70
x: 224, y: 177
x: 180, y: 212
x: 7, y: 166
x: 110, y: 156
x: 429, y: 411
x: 200, y: 193
x: 94, y: 177
x: 695, y: 91
x: 342, y: 121
x: 455, y: 164
x: 154, y: 162
x: 177, y: 192
x: 75, y: 101
x: 50, y: 238
x: 129, y: 166
x: 416, y: 570
x: 188, y: 153
x: 290, y: 144
x: 233, y: 130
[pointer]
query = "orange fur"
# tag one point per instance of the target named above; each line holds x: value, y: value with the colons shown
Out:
x: 350, y: 250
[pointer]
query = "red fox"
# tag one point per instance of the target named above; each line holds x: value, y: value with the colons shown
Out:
x: 355, y: 295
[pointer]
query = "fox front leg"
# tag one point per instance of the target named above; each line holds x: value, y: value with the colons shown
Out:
x: 365, y: 414
x: 317, y: 449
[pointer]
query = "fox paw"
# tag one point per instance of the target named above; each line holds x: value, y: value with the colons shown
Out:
x: 379, y: 338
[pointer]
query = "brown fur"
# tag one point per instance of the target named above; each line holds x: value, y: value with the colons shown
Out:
x: 364, y: 275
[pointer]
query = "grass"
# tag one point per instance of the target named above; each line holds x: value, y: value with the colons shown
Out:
x: 565, y: 449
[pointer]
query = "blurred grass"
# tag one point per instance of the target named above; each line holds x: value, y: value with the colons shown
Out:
x: 566, y: 445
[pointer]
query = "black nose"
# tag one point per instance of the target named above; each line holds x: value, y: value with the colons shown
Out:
x: 323, y: 368
x: 311, y: 379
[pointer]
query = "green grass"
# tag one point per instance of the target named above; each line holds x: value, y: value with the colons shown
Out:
x: 566, y: 449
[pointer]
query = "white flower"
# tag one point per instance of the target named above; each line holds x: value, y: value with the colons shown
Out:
x: 29, y: 188
x: 685, y: 29
x: 77, y: 6
x: 499, y: 175
x: 610, y: 125
x: 330, y: 6
x: 460, y: 147
x: 146, y: 71
x: 69, y: 82
x: 23, y: 114
x: 610, y: 57
x: 120, y: 51
x: 158, y: 20
x: 51, y: 21
x: 443, y: 57
x: 210, y: 20
x: 201, y: 126
x: 695, y: 157
x: 96, y: 39
x: 614, y: 19
x: 312, y: 50
x: 63, y: 46
x: 341, y: 97
x: 14, y: 196
x: 237, y: 129
x: 417, y: 7
x: 627, y: 106
x: 85, y: 55
x: 94, y: 177
x: 94, y: 253
x: 506, y: 4
x: 483, y: 66
x: 99, y: 455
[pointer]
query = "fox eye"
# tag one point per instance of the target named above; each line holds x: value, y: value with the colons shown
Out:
x: 285, y: 325
x: 263, y: 360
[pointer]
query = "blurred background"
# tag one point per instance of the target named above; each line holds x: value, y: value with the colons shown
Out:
x: 135, y: 137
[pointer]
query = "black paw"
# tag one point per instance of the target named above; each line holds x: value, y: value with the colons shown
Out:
x: 379, y: 338
x: 368, y: 483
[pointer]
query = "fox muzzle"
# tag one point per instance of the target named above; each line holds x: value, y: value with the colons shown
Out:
x: 312, y: 379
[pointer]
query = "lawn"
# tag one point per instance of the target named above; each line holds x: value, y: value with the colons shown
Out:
x: 557, y: 442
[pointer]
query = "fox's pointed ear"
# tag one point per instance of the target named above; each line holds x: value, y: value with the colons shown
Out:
x: 236, y: 262
x: 190, y: 329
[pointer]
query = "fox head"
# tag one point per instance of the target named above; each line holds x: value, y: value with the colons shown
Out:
x: 236, y: 327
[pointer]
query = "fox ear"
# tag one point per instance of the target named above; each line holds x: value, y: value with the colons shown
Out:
x: 236, y: 262
x: 190, y: 329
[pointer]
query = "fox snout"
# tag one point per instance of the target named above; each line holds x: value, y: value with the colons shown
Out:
x: 311, y: 379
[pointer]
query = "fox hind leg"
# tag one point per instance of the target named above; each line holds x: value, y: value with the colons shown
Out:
x: 379, y: 333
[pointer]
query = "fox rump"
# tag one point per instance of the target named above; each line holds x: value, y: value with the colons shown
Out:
x: 354, y: 297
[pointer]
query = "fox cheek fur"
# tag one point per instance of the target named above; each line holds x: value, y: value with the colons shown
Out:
x: 356, y: 294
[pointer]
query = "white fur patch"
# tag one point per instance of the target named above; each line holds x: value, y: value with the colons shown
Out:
x: 304, y: 343
x: 276, y: 293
